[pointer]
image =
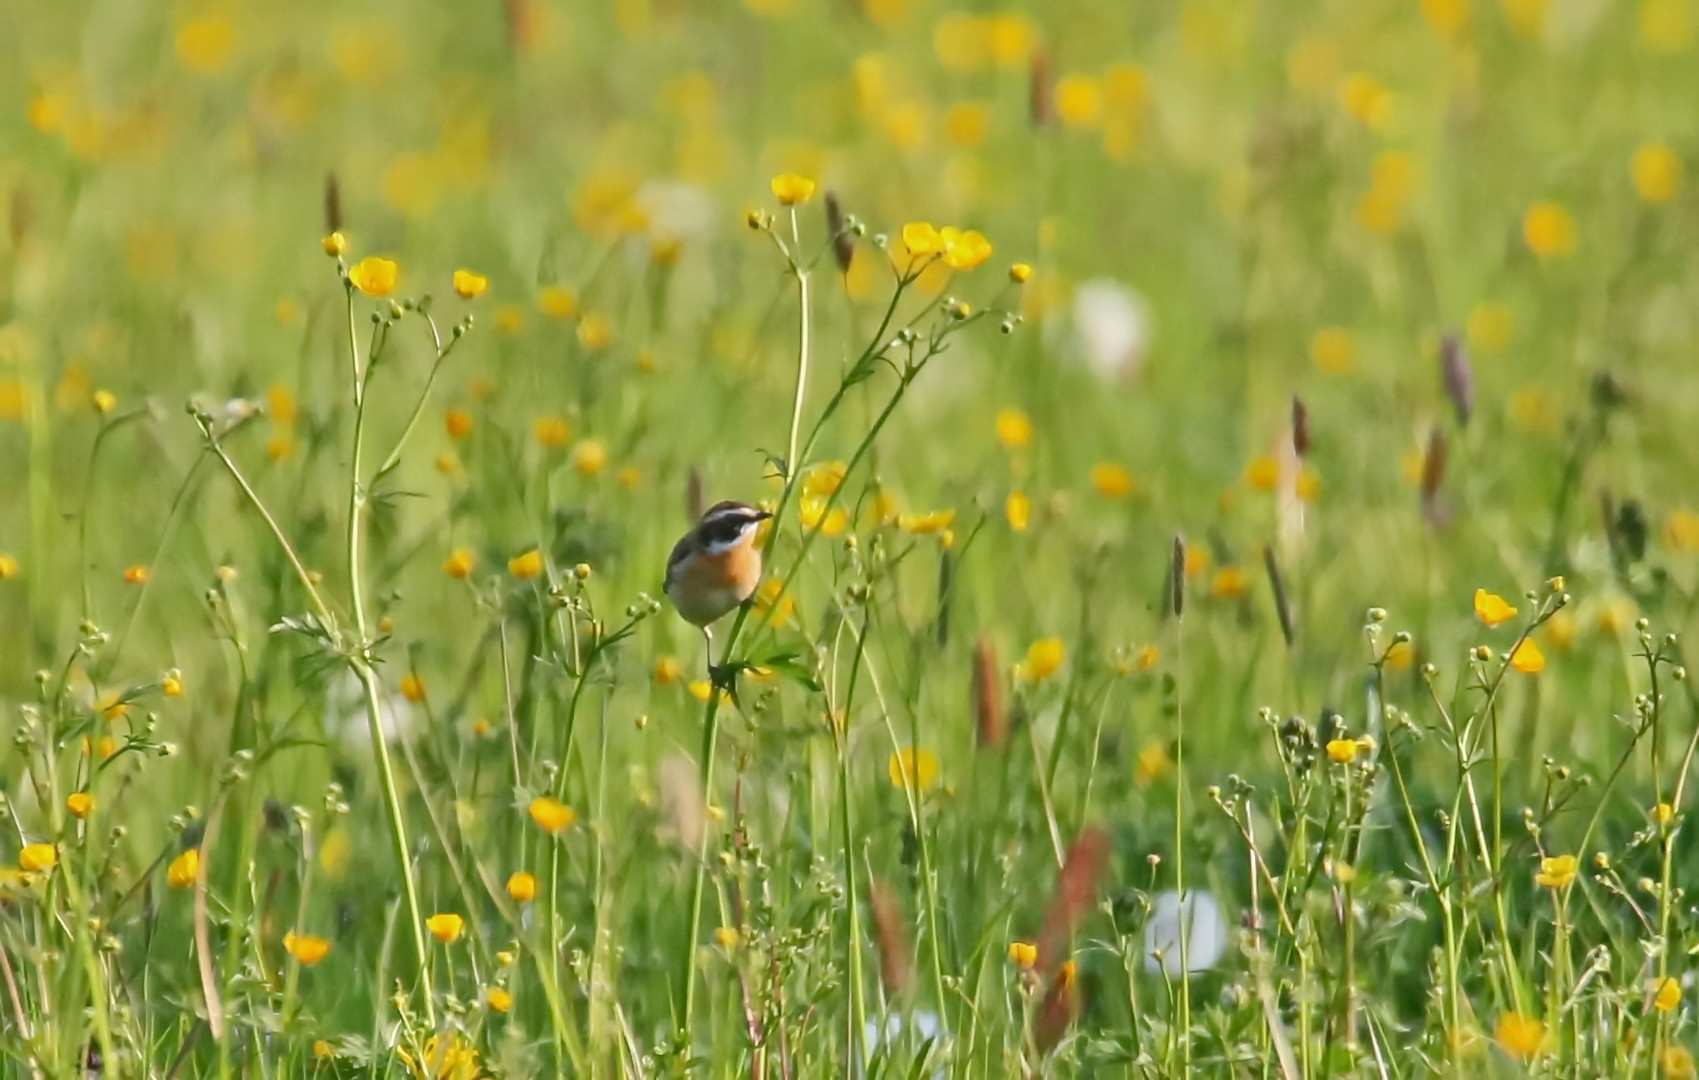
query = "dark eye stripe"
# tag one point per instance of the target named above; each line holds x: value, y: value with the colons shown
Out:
x: 724, y: 530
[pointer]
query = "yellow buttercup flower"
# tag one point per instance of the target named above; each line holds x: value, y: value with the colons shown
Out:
x: 1263, y: 474
x: 1020, y: 273
x: 205, y: 44
x: 335, y: 244
x: 551, y: 432
x: 78, y: 804
x: 413, y: 688
x: 590, y: 457
x: 668, y: 670
x: 595, y: 332
x: 930, y: 524
x: 551, y: 815
x: 1023, y: 954
x: 791, y: 189
x: 9, y: 567
x: 184, y: 869
x: 526, y: 566
x: 1014, y: 429
x: 305, y: 948
x: 1044, y: 658
x: 1332, y: 350
x: 136, y: 575
x: 1491, y: 608
x: 446, y: 927
x: 1229, y: 583
x: 1549, y: 231
x: 1018, y: 509
x: 171, y: 683
x: 498, y: 1000
x: 921, y: 239
x: 1489, y: 328
x: 964, y: 250
x: 522, y: 887
x: 1079, y: 101
x: 1556, y: 871
x: 558, y: 302
x: 35, y: 858
x: 913, y: 769
x: 1666, y: 994
x: 1521, y: 1036
x: 470, y: 285
x: 1112, y: 481
x: 1343, y: 751
x: 460, y: 564
x: 1527, y: 658
x: 1657, y: 172
x: 375, y: 275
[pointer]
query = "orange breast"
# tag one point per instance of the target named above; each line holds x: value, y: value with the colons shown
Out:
x: 706, y: 587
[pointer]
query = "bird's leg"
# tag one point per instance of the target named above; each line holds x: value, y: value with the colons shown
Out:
x: 714, y: 674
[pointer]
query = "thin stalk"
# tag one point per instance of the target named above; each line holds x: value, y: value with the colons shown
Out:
x: 359, y: 659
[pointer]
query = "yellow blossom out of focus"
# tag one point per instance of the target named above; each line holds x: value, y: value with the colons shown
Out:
x: 1112, y: 481
x: 1556, y: 871
x: 1666, y: 994
x: 1681, y: 530
x: 590, y: 457
x: 1229, y: 583
x: 1079, y: 101
x: 558, y: 302
x: 35, y: 858
x: 413, y: 688
x: 551, y: 815
x: 1491, y: 608
x: 1489, y: 328
x: 668, y: 670
x: 791, y: 189
x: 1549, y: 231
x: 1522, y: 1037
x: 1023, y: 954
x: 1449, y: 18
x: 595, y: 332
x: 205, y: 44
x: 1657, y: 173
x: 1044, y: 658
x: 1014, y: 429
x: 446, y: 927
x: 1367, y: 101
x: 1342, y: 751
x: 469, y: 285
x: 913, y: 769
x: 1332, y: 350
x: 551, y: 432
x: 1152, y: 764
x: 305, y: 948
x: 1018, y: 509
x: 79, y: 804
x: 526, y: 566
x: 1527, y: 658
x: 460, y: 564
x: 522, y: 887
x: 1666, y: 26
x: 184, y: 869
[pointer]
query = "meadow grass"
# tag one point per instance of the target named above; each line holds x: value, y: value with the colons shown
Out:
x: 1223, y: 609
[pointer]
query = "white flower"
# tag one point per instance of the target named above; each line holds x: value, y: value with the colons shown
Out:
x: 676, y: 210
x: 1112, y: 323
x: 926, y: 1027
x: 1206, y: 933
x: 346, y: 718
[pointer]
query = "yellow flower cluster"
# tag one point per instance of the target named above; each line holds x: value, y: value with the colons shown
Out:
x: 959, y: 250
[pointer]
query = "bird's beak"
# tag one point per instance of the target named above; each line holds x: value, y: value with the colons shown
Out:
x: 762, y: 515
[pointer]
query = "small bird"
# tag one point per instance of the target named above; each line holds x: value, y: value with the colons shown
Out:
x: 715, y: 567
